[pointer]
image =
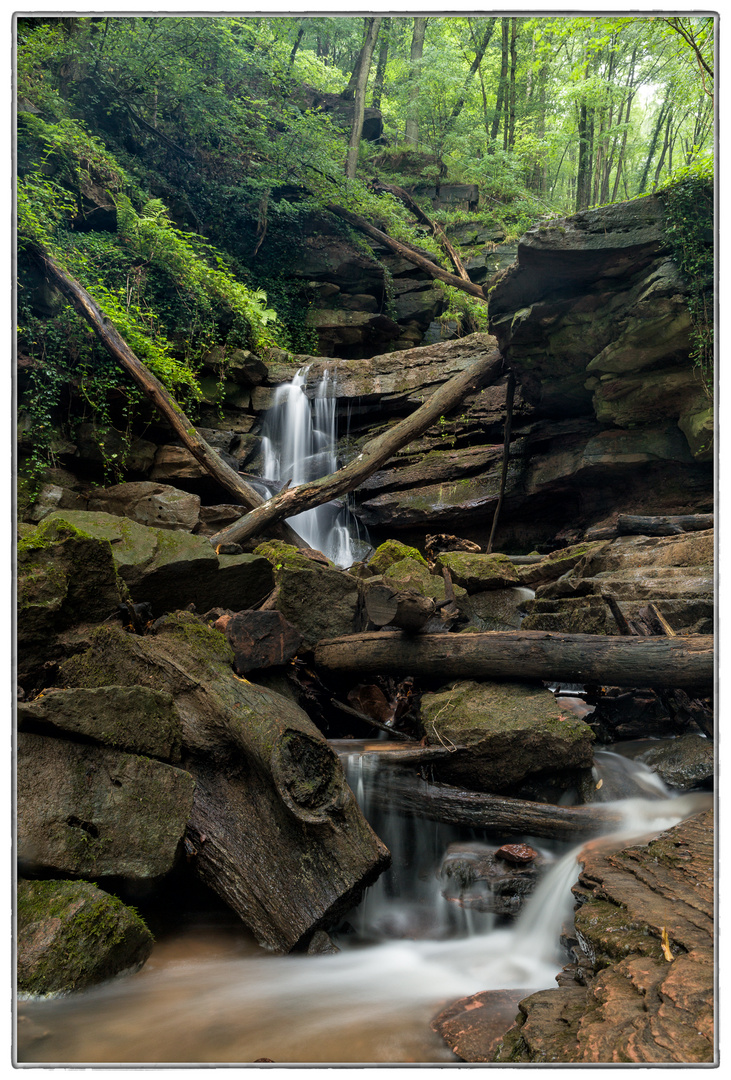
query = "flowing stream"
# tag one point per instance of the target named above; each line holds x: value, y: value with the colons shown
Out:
x: 209, y: 994
x: 299, y: 444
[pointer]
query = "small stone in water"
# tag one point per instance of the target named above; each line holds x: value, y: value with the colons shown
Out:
x: 516, y: 853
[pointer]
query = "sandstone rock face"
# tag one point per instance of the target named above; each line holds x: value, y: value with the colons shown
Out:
x: 510, y: 732
x: 137, y: 719
x: 89, y: 811
x: 72, y: 934
x: 645, y: 966
x: 156, y: 505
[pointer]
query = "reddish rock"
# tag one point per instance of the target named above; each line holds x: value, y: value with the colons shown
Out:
x: 474, y: 1026
x: 516, y: 853
x: 260, y: 639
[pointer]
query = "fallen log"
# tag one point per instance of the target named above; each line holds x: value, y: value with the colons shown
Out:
x: 436, y: 229
x: 373, y: 455
x: 406, y: 252
x: 154, y: 391
x: 663, y: 525
x: 683, y: 662
x: 406, y: 609
x: 502, y: 816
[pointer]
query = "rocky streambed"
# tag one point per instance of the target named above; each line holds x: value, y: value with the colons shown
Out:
x: 182, y: 711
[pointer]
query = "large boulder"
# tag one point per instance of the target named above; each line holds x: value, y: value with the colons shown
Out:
x: 504, y: 733
x: 72, y: 935
x: 478, y: 573
x: 172, y: 569
x: 88, y: 811
x: 65, y: 577
x: 320, y: 601
x: 158, y: 505
x: 683, y: 763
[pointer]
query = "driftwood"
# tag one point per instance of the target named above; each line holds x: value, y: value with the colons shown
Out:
x: 666, y: 525
x: 406, y: 609
x: 684, y: 662
x: 502, y: 816
x: 406, y: 252
x: 373, y: 455
x: 153, y: 389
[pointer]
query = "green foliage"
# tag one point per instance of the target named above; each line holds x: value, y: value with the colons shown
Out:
x: 688, y: 205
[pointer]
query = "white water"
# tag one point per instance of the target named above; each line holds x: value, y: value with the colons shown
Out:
x: 299, y: 439
x: 215, y: 997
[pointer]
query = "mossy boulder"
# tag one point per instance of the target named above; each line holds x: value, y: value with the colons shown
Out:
x: 72, y: 935
x: 65, y: 577
x: 557, y: 563
x: 390, y: 552
x: 171, y: 569
x: 137, y: 719
x: 320, y: 601
x: 477, y: 573
x: 414, y: 574
x: 88, y: 811
x: 495, y: 609
x: 570, y: 615
x: 508, y: 731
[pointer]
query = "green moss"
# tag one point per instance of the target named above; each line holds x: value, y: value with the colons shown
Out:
x: 53, y: 531
x: 207, y: 643
x: 285, y: 556
x: 391, y: 552
x: 612, y: 935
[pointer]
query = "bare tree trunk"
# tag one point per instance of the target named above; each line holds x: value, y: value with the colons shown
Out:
x: 459, y: 104
x: 153, y: 389
x: 374, y: 454
x: 366, y: 58
x: 417, y: 51
x: 381, y: 65
x: 502, y: 85
x: 513, y: 69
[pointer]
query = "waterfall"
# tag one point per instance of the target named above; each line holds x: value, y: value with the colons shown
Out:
x: 299, y: 444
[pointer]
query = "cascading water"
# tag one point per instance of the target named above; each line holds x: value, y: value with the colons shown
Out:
x: 213, y: 996
x: 299, y: 444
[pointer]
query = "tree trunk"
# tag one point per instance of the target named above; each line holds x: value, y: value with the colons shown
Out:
x: 153, y: 389
x: 665, y: 525
x: 405, y: 609
x: 297, y: 43
x: 459, y: 104
x: 406, y: 252
x: 417, y: 51
x: 366, y: 58
x: 373, y: 455
x: 513, y: 69
x: 684, y: 662
x: 471, y: 809
x: 653, y: 141
x: 381, y: 65
x: 502, y: 85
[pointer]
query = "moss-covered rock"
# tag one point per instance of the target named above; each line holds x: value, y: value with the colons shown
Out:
x: 477, y: 573
x: 495, y: 609
x: 72, y: 935
x: 509, y: 732
x: 557, y: 563
x: 390, y: 552
x: 137, y: 719
x: 570, y: 615
x: 89, y: 811
x: 320, y: 601
x: 65, y: 577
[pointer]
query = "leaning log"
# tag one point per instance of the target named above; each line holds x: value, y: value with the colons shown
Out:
x: 408, y: 253
x: 684, y: 662
x: 501, y: 816
x: 154, y: 391
x: 664, y: 525
x: 373, y: 455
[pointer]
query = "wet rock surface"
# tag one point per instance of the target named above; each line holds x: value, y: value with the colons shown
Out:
x: 645, y: 927
x: 484, y: 879
x: 72, y: 935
